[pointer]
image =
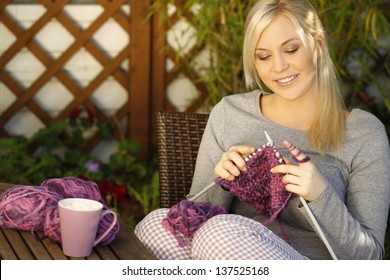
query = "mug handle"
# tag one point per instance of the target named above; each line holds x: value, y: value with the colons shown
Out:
x: 106, y: 212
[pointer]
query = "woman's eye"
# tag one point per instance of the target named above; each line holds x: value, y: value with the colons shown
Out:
x: 292, y: 50
x: 264, y: 57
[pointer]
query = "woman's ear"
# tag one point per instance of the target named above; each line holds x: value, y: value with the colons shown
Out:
x: 321, y: 42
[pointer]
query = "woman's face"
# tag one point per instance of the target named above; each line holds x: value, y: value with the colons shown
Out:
x: 282, y: 61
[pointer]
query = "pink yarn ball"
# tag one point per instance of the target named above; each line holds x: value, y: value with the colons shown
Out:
x: 35, y: 208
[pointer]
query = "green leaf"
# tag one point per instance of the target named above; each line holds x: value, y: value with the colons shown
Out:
x: 9, y: 145
x: 104, y: 129
x: 48, y: 137
x: 130, y: 146
x: 75, y: 157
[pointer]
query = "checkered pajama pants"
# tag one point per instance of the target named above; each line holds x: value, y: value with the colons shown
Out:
x: 223, y: 237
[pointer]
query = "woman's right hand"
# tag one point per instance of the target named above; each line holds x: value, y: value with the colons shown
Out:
x: 232, y: 162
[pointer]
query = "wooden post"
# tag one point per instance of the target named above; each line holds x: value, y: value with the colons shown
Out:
x: 139, y: 75
x: 158, y: 73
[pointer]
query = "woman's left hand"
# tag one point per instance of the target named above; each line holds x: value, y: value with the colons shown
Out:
x: 302, y: 179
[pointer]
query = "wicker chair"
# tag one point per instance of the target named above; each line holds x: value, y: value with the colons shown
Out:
x: 178, y: 138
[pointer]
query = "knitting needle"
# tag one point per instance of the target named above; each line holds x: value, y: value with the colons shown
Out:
x: 195, y: 197
x: 317, y: 226
x: 270, y: 142
x: 310, y: 213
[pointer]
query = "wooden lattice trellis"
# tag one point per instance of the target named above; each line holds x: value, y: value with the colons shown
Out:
x: 181, y: 60
x: 144, y: 80
x: 136, y: 110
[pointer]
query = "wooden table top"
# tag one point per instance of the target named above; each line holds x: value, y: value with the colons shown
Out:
x: 16, y: 244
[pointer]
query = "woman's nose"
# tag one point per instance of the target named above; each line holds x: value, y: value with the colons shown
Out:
x: 280, y: 63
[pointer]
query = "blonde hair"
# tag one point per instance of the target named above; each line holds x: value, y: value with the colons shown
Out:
x: 327, y: 129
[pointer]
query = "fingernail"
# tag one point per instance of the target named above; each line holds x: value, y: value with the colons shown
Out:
x: 272, y: 170
x: 287, y: 144
x: 245, y: 169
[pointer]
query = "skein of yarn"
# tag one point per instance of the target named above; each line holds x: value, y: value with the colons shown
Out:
x: 35, y: 208
x: 186, y: 217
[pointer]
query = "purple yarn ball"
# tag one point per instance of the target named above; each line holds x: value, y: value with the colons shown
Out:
x: 35, y: 208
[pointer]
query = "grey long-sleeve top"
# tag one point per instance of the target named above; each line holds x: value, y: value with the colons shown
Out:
x: 353, y: 209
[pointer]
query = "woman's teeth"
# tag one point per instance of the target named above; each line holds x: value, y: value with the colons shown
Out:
x: 286, y: 80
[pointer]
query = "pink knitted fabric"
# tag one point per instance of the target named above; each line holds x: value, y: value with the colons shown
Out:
x: 258, y: 186
x: 35, y: 208
x: 263, y: 190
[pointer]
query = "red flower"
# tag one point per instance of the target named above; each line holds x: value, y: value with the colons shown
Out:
x: 115, y: 190
x: 75, y: 113
x: 81, y: 176
x: 91, y: 116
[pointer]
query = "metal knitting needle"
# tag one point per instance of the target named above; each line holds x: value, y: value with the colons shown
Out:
x: 310, y: 213
x: 195, y: 197
x: 318, y: 228
x: 270, y: 142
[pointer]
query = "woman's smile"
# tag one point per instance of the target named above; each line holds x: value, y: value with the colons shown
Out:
x: 286, y: 81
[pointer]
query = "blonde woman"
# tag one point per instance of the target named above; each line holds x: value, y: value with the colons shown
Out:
x: 346, y: 181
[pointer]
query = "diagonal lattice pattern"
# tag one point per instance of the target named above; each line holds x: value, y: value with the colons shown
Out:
x: 62, y: 69
x: 184, y: 59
